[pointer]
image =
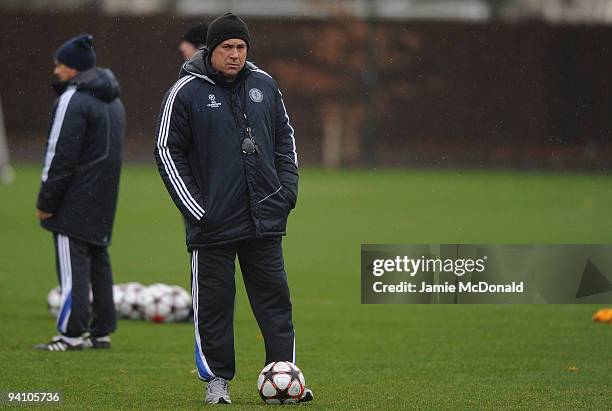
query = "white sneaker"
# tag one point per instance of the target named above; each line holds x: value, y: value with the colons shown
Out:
x: 217, y: 391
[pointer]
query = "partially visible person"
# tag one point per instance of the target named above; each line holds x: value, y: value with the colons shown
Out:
x: 7, y: 174
x: 193, y: 40
x: 78, y: 194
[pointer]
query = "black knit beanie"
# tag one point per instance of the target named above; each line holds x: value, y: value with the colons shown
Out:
x: 196, y: 35
x: 77, y: 53
x: 228, y: 26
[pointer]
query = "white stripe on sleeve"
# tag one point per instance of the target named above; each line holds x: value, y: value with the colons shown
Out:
x: 295, y: 158
x: 164, y: 152
x: 56, y: 128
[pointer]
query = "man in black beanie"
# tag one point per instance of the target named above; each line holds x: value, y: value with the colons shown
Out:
x: 78, y: 194
x: 193, y: 40
x: 226, y: 152
x: 228, y: 41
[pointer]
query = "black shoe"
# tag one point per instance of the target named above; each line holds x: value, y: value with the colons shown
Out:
x: 59, y: 344
x: 306, y: 396
x: 97, y: 342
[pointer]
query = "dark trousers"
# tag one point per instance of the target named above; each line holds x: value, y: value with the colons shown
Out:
x: 82, y: 267
x: 214, y: 289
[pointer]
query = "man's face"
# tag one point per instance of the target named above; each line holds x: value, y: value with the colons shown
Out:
x: 229, y: 57
x: 63, y: 72
x: 187, y: 49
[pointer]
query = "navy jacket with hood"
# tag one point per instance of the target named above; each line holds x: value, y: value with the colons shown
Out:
x: 80, y: 178
x: 224, y: 194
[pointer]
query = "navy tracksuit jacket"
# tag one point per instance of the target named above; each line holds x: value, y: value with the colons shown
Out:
x: 80, y: 184
x: 224, y: 194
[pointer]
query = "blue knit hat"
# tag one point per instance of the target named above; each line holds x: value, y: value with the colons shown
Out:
x: 77, y: 53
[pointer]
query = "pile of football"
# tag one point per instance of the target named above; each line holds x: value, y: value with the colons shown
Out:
x: 160, y: 303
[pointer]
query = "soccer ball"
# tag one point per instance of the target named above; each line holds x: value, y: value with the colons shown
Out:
x: 54, y: 300
x: 118, y: 292
x: 163, y: 303
x: 155, y: 303
x: 181, y: 303
x: 281, y: 382
x: 128, y: 305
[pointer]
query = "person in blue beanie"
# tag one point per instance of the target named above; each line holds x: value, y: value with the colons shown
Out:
x: 78, y: 193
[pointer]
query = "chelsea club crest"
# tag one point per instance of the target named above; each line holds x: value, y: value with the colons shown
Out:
x: 256, y: 95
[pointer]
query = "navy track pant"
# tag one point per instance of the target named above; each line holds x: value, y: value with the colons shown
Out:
x: 81, y: 267
x: 214, y: 289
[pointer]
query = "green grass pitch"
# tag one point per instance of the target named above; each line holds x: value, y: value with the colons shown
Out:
x: 353, y: 356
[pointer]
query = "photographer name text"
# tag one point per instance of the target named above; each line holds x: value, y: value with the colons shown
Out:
x: 468, y: 287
